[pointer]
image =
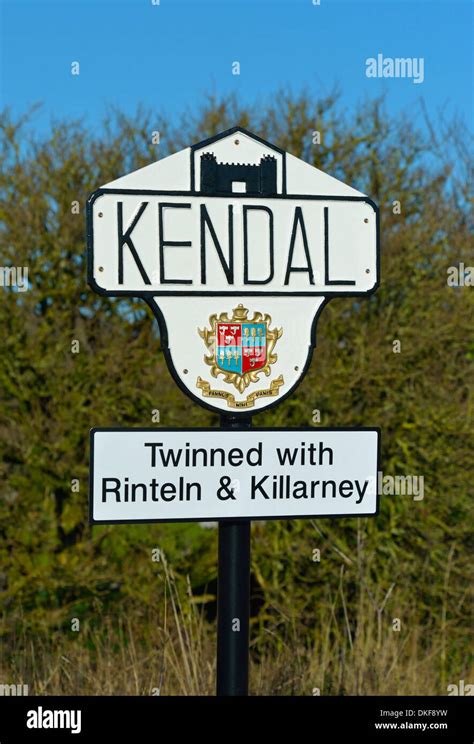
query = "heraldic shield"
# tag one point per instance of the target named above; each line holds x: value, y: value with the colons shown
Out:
x: 241, y: 347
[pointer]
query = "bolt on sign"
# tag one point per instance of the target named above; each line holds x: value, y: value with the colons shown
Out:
x: 236, y: 246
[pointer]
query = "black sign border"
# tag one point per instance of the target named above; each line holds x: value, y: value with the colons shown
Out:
x: 156, y: 430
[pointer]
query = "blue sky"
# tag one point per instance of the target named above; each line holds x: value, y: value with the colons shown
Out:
x: 166, y: 56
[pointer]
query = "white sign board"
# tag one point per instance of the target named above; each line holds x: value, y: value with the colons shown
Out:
x: 161, y: 475
x: 236, y: 246
x: 170, y: 245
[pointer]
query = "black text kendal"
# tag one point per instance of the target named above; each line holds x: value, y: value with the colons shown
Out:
x: 195, y: 242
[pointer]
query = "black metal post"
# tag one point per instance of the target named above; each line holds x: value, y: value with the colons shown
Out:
x: 233, y: 596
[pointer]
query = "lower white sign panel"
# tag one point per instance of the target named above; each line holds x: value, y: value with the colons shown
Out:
x: 171, y: 475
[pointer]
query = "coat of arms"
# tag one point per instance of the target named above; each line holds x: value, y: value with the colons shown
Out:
x: 241, y: 348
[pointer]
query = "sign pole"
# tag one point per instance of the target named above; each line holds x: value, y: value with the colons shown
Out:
x: 233, y: 596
